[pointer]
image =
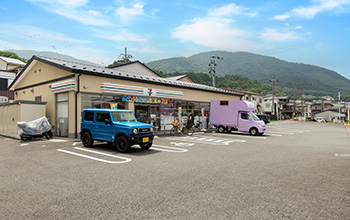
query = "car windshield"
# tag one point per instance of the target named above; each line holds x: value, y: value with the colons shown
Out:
x: 123, y: 116
x: 253, y: 116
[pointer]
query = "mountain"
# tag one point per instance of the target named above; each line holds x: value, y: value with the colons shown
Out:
x: 313, y: 79
x: 27, y: 54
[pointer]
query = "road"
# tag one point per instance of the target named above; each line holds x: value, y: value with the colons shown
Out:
x: 296, y: 170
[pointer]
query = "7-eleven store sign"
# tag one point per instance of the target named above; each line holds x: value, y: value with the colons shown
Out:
x: 140, y: 91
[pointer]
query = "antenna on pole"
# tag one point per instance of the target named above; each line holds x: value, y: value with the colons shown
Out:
x: 53, y: 46
x: 273, y: 110
x: 212, y: 65
x: 125, y: 56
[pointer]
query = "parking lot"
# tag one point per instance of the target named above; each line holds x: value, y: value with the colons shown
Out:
x: 296, y: 170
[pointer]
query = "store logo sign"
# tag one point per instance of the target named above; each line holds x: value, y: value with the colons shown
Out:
x: 150, y: 92
x: 140, y: 91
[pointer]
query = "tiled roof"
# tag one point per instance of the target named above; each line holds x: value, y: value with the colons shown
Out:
x: 107, y: 72
x: 12, y: 61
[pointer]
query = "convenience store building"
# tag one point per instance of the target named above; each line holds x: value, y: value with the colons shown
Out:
x: 69, y: 87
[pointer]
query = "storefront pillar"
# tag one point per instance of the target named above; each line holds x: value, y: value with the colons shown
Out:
x: 130, y: 105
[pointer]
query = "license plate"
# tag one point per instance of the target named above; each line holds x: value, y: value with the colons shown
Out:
x: 146, y: 139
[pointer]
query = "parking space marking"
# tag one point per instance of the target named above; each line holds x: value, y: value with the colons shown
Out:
x: 22, y: 145
x: 126, y: 160
x: 206, y: 140
x: 168, y: 149
x: 288, y: 130
x: 278, y: 132
x: 273, y: 135
x: 239, y: 135
x: 342, y: 155
x: 58, y: 140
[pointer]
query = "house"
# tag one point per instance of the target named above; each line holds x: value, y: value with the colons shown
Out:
x: 320, y: 106
x: 9, y: 67
x: 274, y: 112
x: 183, y: 78
x: 256, y: 98
x: 330, y: 115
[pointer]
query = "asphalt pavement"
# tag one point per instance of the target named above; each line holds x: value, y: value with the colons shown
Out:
x: 296, y: 170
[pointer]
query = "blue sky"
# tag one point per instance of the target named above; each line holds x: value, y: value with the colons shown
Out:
x: 313, y: 32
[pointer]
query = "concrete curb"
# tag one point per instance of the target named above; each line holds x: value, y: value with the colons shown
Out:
x: 13, y: 136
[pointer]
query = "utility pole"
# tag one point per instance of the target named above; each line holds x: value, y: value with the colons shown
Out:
x: 294, y: 101
x: 212, y: 65
x: 273, y: 112
x: 339, y: 103
x: 125, y: 56
x: 302, y: 101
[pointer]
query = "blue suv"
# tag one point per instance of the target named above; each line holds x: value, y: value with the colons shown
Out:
x: 118, y: 127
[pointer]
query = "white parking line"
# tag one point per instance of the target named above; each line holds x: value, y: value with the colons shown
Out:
x: 288, y: 130
x: 342, y: 155
x: 273, y: 135
x: 126, y: 160
x: 278, y: 132
x: 205, y: 140
x: 58, y: 140
x: 239, y: 135
x: 168, y: 149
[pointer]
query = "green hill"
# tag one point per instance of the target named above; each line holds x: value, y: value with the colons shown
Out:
x: 313, y: 79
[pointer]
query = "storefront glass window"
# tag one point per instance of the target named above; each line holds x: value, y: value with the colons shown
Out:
x: 89, y: 100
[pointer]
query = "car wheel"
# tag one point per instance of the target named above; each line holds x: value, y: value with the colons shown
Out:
x: 146, y: 146
x: 254, y: 131
x: 122, y: 144
x: 87, y: 139
x: 221, y: 129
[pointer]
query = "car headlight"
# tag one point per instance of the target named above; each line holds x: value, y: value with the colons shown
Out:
x: 135, y: 131
x: 151, y: 129
x: 259, y: 125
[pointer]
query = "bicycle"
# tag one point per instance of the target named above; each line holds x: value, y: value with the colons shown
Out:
x: 177, y: 129
x: 198, y: 125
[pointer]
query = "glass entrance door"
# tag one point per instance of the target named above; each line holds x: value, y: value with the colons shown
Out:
x: 62, y: 114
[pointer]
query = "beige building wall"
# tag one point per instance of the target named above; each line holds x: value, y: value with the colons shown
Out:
x: 3, y: 65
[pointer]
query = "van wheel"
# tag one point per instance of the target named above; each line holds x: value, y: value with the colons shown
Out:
x: 87, y: 139
x: 146, y: 146
x: 221, y: 129
x: 122, y: 144
x: 254, y: 131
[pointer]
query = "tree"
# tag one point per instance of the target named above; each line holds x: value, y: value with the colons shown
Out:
x: 12, y: 55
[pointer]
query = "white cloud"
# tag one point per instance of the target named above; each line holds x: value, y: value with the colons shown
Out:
x: 318, y: 7
x: 230, y: 10
x: 67, y: 3
x: 71, y: 9
x: 123, y: 35
x: 214, y: 33
x: 275, y: 35
x: 5, y: 45
x: 281, y: 17
x: 127, y: 14
x: 30, y: 37
x: 216, y: 30
x: 89, y: 17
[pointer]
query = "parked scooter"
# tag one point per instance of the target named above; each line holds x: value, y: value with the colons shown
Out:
x: 34, y: 129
